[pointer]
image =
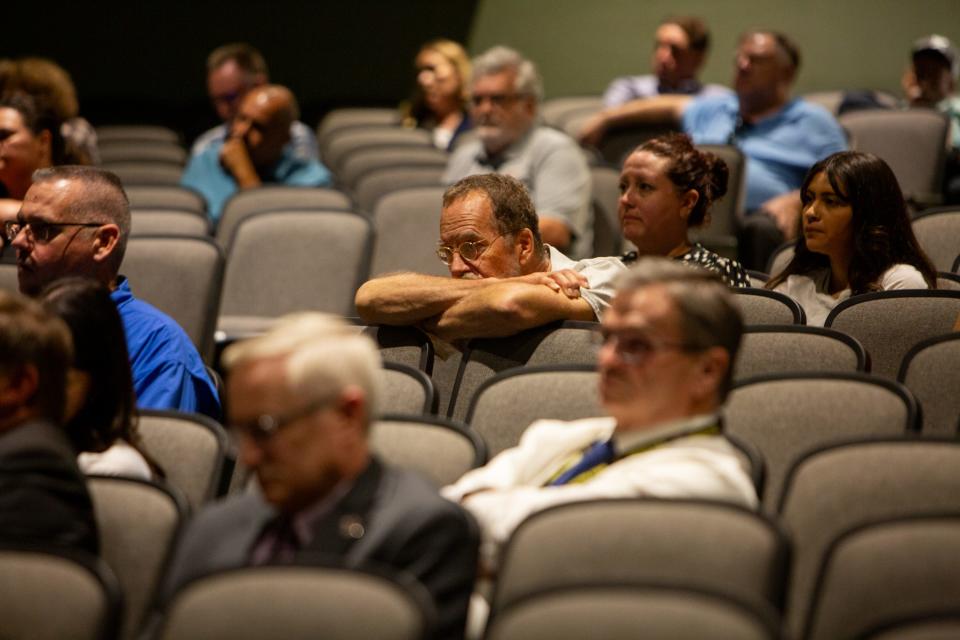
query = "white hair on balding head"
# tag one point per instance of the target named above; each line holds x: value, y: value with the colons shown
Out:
x: 324, y: 355
x: 500, y: 58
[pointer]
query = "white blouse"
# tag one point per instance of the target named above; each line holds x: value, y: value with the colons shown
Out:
x: 811, y: 290
x: 119, y: 460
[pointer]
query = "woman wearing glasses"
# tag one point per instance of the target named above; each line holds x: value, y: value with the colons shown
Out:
x: 855, y: 237
x: 439, y: 103
x: 666, y: 188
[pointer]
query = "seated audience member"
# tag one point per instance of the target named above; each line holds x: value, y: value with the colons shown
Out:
x: 302, y: 398
x: 101, y: 407
x: 855, y: 237
x: 679, y: 51
x: 506, y: 92
x: 256, y: 152
x: 440, y: 101
x: 43, y: 495
x: 666, y: 187
x: 931, y: 82
x: 779, y: 136
x: 670, y: 339
x: 75, y: 221
x: 504, y: 278
x: 50, y: 85
x: 232, y: 71
x: 30, y: 139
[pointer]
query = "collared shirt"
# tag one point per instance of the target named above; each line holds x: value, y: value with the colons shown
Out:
x: 779, y: 149
x: 552, y: 167
x: 626, y: 88
x: 600, y: 274
x: 206, y: 175
x: 168, y: 373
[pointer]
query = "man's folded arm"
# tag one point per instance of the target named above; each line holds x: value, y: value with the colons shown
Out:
x: 408, y: 298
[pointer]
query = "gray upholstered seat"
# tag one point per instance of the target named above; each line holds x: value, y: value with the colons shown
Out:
x: 760, y: 307
x: 146, y: 173
x: 556, y: 111
x: 138, y: 523
x: 838, y: 489
x: 107, y: 134
x: 720, y: 234
x: 353, y: 117
x: 165, y: 197
x: 404, y: 345
x: 141, y: 151
x: 405, y: 389
x: 438, y: 448
x: 938, y: 232
x: 888, y: 323
x: 375, y: 185
x: 364, y: 161
x: 931, y: 370
x: 340, y: 144
x: 605, y: 190
x: 170, y: 222
x: 407, y: 227
x: 787, y: 415
x: 794, y: 349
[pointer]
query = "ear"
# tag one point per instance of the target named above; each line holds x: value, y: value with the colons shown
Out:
x: 105, y: 242
x: 688, y: 201
x: 712, y: 367
x: 18, y: 387
x: 530, y: 105
x: 524, y: 247
x: 352, y: 408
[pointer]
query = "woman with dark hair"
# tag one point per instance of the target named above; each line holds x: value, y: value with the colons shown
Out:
x: 855, y: 237
x: 439, y: 102
x: 29, y: 140
x: 666, y: 188
x: 101, y: 407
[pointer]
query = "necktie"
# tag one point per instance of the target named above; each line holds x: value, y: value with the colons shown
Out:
x: 279, y: 542
x: 599, y: 453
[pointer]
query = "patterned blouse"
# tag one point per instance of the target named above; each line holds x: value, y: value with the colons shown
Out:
x: 730, y: 271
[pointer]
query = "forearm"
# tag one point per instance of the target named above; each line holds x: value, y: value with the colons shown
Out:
x: 407, y: 298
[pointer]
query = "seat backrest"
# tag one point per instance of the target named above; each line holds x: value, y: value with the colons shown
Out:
x: 350, y: 117
x: 837, y: 489
x: 440, y: 449
x: 796, y: 348
x: 363, y: 161
x: 605, y: 187
x: 403, y: 345
x: 930, y: 370
x: 948, y: 281
x: 787, y: 415
x: 248, y: 202
x: 760, y: 307
x: 407, y: 227
x: 568, y: 342
x: 138, y: 523
x: 340, y: 144
x: 51, y: 597
x: 168, y: 222
x: 9, y: 279
x: 404, y: 389
x: 141, y: 151
x: 286, y: 261
x: 556, y: 111
x: 780, y: 258
x: 505, y: 405
x: 616, y: 612
x: 190, y: 448
x: 298, y: 603
x: 876, y: 576
x: 107, y: 134
x: 888, y: 323
x: 912, y: 142
x: 165, y: 197
x: 376, y: 184
x: 938, y: 232
x: 710, y: 546
x: 146, y: 173
x: 181, y: 276
x: 725, y: 213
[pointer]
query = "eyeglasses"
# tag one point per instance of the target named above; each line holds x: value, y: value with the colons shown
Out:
x: 40, y: 231
x: 498, y: 100
x: 264, y: 426
x: 635, y: 348
x: 469, y: 251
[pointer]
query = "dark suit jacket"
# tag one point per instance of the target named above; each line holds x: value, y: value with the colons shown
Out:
x: 407, y: 527
x: 43, y: 494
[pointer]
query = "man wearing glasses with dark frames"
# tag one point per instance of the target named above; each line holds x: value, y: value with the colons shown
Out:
x: 504, y: 277
x: 505, y: 94
x: 301, y: 401
x: 75, y: 221
x: 669, y: 341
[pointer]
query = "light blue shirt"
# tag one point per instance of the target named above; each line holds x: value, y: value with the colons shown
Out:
x: 779, y: 149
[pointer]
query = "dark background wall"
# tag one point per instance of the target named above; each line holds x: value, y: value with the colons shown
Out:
x: 144, y: 61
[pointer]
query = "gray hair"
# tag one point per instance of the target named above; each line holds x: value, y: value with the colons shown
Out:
x: 500, y: 58
x: 324, y: 354
x: 103, y: 201
x: 709, y: 317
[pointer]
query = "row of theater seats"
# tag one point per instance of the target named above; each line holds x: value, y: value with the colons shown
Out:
x: 864, y: 541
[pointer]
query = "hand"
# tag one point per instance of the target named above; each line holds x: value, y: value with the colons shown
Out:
x: 565, y: 281
x: 236, y: 159
x: 593, y: 130
x: 785, y: 211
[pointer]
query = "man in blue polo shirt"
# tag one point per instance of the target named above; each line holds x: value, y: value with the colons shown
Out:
x: 256, y: 152
x: 75, y: 222
x: 779, y: 136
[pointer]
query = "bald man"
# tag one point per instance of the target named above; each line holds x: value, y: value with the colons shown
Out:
x: 256, y: 152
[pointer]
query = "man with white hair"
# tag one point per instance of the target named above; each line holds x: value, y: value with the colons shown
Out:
x: 301, y: 401
x: 505, y: 95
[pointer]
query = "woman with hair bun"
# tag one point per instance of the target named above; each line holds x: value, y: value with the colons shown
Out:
x: 439, y: 102
x: 666, y: 188
x: 855, y: 237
